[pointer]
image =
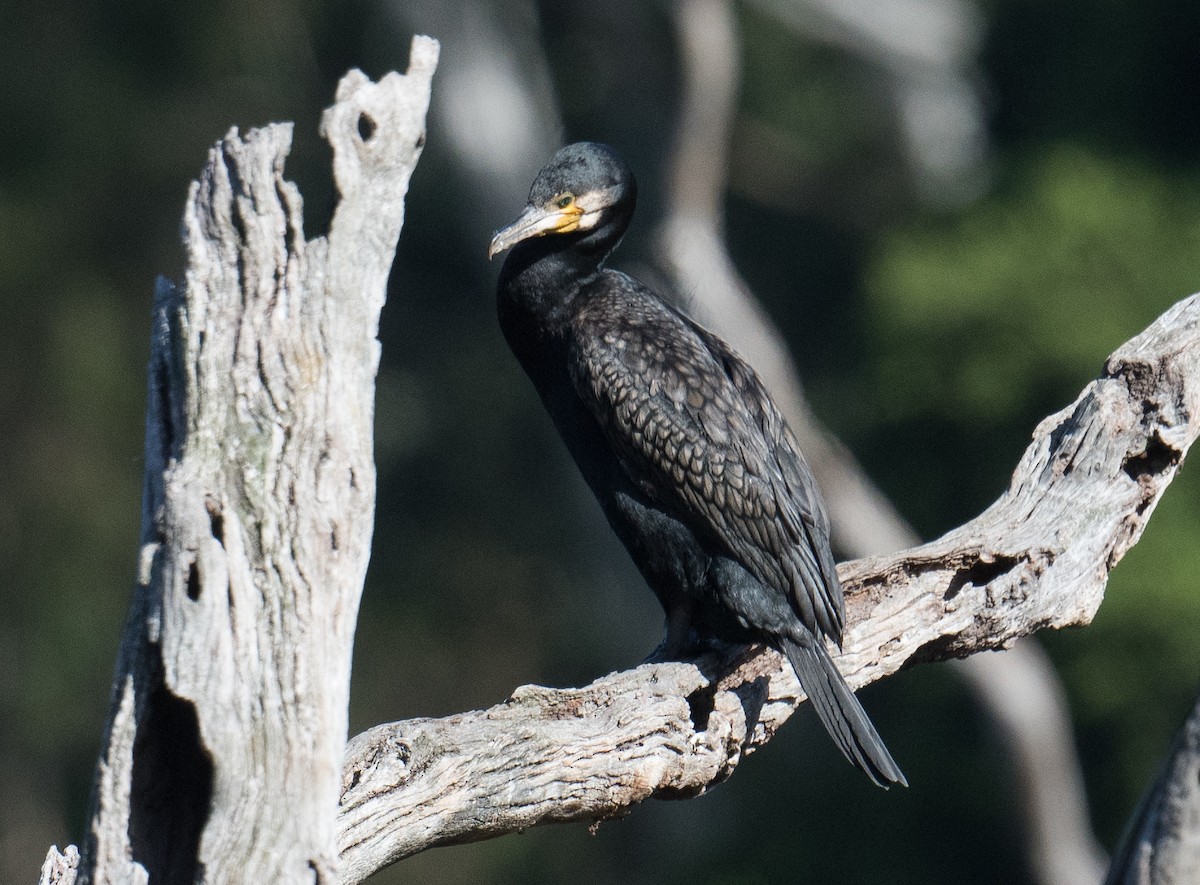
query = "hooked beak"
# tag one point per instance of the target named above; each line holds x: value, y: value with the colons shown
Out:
x: 536, y: 221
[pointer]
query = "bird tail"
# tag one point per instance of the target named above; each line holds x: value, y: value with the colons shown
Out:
x: 840, y: 712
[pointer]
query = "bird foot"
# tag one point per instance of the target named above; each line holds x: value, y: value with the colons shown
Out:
x: 691, y: 645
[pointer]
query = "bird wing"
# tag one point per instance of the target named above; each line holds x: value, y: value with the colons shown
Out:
x: 794, y: 482
x: 695, y: 429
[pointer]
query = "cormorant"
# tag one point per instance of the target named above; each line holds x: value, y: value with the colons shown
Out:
x: 691, y: 461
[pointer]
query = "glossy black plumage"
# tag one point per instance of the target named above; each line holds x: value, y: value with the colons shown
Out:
x: 688, y: 456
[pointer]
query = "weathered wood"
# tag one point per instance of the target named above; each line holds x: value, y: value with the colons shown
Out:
x: 223, y: 757
x: 1161, y: 845
x: 1039, y: 557
x: 60, y: 867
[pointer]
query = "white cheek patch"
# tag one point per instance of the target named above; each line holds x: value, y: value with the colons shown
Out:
x: 593, y: 203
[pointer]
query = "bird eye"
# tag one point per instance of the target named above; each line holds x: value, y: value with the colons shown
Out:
x: 565, y: 200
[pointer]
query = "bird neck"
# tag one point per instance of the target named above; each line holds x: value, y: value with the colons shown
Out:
x: 541, y: 279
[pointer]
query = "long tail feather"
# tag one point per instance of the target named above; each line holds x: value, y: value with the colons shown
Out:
x: 839, y: 710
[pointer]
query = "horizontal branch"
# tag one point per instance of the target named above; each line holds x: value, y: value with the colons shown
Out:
x: 1039, y: 557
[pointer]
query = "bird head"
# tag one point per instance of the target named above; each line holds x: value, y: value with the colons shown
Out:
x: 585, y: 187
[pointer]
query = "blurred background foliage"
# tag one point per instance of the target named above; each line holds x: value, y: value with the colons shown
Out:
x: 934, y: 327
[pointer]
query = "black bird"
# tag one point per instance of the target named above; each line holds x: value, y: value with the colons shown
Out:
x: 691, y: 461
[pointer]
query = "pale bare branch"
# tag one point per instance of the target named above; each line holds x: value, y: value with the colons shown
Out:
x: 1039, y: 557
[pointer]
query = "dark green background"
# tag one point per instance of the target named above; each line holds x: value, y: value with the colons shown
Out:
x: 931, y: 340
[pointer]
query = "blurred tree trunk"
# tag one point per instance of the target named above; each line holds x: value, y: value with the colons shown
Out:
x: 223, y: 757
x: 1019, y: 690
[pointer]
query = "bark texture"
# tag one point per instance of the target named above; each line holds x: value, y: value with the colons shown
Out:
x: 223, y: 756
x: 1039, y: 557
